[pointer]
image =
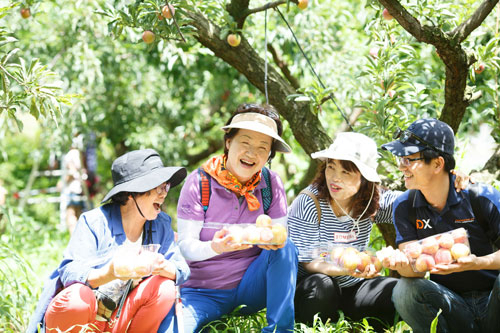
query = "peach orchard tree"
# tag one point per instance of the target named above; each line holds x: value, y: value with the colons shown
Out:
x: 425, y: 59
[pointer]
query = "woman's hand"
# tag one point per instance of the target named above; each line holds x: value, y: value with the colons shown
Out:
x: 223, y: 243
x: 272, y: 247
x: 164, y: 267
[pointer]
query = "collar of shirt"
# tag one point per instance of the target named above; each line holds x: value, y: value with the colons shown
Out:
x: 454, y: 198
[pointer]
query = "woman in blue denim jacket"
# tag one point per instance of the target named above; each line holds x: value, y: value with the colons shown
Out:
x: 90, y: 288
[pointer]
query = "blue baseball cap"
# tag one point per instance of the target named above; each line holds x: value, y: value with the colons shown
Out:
x: 422, y: 134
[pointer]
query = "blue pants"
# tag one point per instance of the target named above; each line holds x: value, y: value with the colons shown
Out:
x: 418, y: 301
x: 268, y: 282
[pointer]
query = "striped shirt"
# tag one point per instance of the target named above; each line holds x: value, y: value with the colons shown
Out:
x: 307, y: 234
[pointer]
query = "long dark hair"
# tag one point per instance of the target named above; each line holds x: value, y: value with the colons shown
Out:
x: 266, y: 110
x: 360, y: 200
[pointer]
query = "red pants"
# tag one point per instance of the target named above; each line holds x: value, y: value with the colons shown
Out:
x: 145, y: 307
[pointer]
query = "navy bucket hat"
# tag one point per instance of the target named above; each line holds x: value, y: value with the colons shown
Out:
x: 423, y: 134
x: 140, y: 171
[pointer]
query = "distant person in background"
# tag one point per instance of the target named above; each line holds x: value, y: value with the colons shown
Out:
x: 90, y: 163
x: 71, y: 184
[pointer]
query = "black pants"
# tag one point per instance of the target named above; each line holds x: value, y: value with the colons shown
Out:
x: 320, y: 293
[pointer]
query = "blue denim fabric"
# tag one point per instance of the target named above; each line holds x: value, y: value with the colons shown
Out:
x: 97, y: 233
x: 418, y: 301
x: 269, y: 281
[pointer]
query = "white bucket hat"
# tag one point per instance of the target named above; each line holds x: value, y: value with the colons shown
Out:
x: 259, y: 123
x: 354, y: 147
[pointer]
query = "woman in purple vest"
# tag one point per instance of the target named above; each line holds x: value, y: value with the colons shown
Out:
x: 225, y: 274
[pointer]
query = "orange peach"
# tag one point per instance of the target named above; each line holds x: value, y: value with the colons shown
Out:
x: 266, y: 235
x: 430, y: 245
x: 459, y: 235
x: 424, y: 263
x: 446, y: 241
x: 279, y: 233
x: 364, y: 260
x: 443, y: 256
x: 263, y: 220
x: 350, y: 259
x: 459, y: 250
x: 413, y: 250
x: 336, y: 254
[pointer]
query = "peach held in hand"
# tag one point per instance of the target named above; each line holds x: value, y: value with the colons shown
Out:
x: 430, y: 245
x: 336, y: 255
x: 459, y: 235
x: 377, y: 263
x: 443, y: 256
x: 236, y: 233
x: 364, y: 260
x: 252, y: 235
x: 413, y: 250
x: 266, y: 235
x: 263, y: 220
x: 446, y: 241
x: 350, y: 259
x: 424, y: 263
x: 459, y: 250
x: 279, y: 233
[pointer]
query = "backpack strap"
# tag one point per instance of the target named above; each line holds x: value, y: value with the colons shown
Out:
x: 267, y: 193
x: 205, y: 189
x: 316, y: 202
x: 478, y: 214
x: 412, y: 213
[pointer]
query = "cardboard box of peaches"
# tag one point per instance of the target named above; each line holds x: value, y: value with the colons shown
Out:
x: 262, y: 232
x: 444, y: 248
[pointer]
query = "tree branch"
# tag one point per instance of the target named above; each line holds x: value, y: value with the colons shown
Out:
x: 265, y: 7
x: 461, y: 32
x: 283, y: 66
x: 305, y: 125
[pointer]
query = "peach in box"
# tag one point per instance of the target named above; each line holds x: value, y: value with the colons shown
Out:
x: 350, y: 259
x: 424, y: 263
x: 365, y: 260
x: 430, y: 245
x: 443, y: 256
x: 459, y: 235
x: 459, y: 250
x: 263, y: 220
x: 446, y: 241
x: 413, y: 250
x: 279, y: 233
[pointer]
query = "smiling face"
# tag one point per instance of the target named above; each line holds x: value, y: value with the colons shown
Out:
x: 342, y: 184
x: 150, y: 202
x: 247, y: 154
x: 417, y: 175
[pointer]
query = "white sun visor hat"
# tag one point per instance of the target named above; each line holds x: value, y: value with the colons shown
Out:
x: 354, y: 147
x: 259, y: 123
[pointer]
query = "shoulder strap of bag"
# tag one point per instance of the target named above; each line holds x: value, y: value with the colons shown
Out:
x: 205, y: 189
x: 267, y: 193
x: 412, y: 214
x: 478, y: 214
x: 316, y: 202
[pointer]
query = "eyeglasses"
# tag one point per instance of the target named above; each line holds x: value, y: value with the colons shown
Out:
x: 405, y: 135
x: 406, y: 161
x: 163, y: 188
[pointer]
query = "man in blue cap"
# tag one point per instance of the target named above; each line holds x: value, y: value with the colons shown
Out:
x: 467, y: 290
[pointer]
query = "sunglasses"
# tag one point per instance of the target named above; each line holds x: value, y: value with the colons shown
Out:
x: 404, y: 136
x: 163, y: 188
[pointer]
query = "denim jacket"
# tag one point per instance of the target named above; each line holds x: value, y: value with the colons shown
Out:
x: 97, y: 233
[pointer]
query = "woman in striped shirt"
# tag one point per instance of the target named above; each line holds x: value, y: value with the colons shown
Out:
x: 350, y: 200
